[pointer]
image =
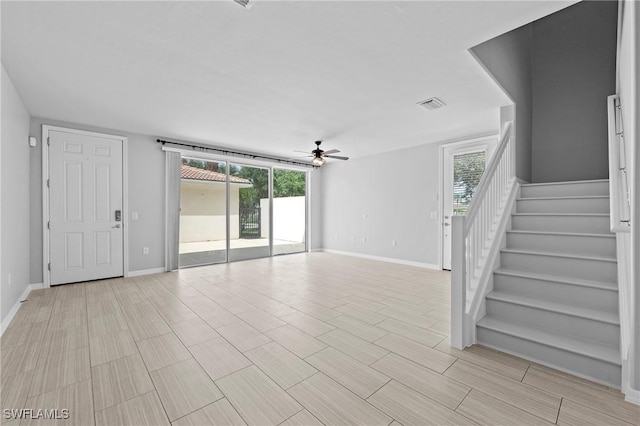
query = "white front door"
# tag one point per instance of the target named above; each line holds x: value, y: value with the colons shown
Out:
x: 460, y: 178
x: 85, y: 207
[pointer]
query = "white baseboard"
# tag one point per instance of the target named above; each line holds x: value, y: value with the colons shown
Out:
x: 316, y: 250
x: 632, y: 396
x: 383, y: 259
x: 145, y: 272
x: 14, y: 310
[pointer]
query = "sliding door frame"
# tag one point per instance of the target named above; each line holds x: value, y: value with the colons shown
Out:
x: 249, y: 163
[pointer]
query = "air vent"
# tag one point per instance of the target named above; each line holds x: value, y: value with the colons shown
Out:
x: 245, y: 3
x: 432, y: 103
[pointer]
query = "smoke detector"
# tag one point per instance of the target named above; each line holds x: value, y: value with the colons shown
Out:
x: 245, y: 3
x: 432, y: 103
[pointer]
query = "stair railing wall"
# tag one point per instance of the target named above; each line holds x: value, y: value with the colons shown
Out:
x: 620, y: 218
x: 476, y: 239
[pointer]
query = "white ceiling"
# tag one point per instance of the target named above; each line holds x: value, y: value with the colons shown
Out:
x: 269, y: 79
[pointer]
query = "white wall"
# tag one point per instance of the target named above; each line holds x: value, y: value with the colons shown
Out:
x: 316, y: 208
x: 369, y: 202
x: 14, y: 158
x: 288, y: 218
x: 629, y: 91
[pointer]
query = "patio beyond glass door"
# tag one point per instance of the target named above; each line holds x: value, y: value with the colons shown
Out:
x: 249, y: 213
x: 289, y: 211
x: 203, y: 212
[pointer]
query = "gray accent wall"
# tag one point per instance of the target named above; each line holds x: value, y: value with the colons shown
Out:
x: 507, y: 58
x: 558, y: 71
x: 574, y: 66
x: 15, y: 179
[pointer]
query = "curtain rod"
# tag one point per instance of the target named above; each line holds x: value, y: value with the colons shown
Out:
x: 237, y: 153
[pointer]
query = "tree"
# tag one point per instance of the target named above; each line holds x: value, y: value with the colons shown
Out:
x: 288, y: 183
x: 467, y: 171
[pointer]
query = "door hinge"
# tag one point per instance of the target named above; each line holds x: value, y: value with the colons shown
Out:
x: 49, y: 225
x: 48, y: 183
x: 48, y: 140
x: 49, y: 266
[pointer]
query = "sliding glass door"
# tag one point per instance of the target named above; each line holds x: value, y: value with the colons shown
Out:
x: 289, y: 211
x: 249, y: 212
x: 228, y: 211
x: 203, y: 212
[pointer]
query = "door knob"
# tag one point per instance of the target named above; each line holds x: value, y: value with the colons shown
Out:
x: 116, y: 226
x: 446, y: 224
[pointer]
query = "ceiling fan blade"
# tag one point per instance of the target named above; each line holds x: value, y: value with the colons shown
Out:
x: 297, y: 150
x: 332, y: 151
x: 337, y: 157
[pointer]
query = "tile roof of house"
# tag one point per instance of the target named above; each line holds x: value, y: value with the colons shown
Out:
x: 194, y: 173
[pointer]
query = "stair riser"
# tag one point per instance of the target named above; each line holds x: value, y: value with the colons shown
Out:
x: 600, y: 371
x: 583, y: 297
x: 583, y: 328
x: 578, y: 224
x: 563, y: 266
x: 564, y: 205
x: 580, y: 245
x: 565, y: 189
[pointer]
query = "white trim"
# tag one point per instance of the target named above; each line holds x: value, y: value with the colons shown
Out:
x: 141, y: 272
x: 14, y: 310
x: 46, y: 128
x: 489, y: 143
x: 632, y: 396
x: 382, y: 259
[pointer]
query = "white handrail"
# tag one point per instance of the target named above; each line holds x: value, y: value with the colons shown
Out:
x: 473, y: 236
x: 620, y: 214
x: 618, y: 184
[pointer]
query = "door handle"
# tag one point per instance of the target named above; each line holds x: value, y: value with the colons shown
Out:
x: 116, y: 226
x: 445, y: 224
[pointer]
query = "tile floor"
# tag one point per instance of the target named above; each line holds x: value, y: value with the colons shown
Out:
x: 305, y: 339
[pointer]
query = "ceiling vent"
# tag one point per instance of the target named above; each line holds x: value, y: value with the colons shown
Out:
x: 245, y: 3
x: 432, y: 103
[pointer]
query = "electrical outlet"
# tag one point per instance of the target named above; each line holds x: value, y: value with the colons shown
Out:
x: 393, y: 243
x: 353, y: 239
x: 434, y: 215
x: 134, y: 215
x: 364, y: 240
x: 145, y: 250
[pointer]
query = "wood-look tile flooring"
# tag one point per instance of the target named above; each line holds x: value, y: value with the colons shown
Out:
x: 295, y: 340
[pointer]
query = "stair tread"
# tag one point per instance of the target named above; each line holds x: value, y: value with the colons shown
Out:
x: 559, y: 254
x: 563, y: 214
x: 563, y: 279
x: 566, y: 197
x: 588, y: 348
x: 593, y: 314
x: 564, y: 234
x: 566, y: 182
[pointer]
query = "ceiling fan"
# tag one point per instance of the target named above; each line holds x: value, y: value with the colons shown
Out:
x: 319, y: 155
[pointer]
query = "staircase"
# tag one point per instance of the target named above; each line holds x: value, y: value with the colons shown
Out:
x: 555, y: 295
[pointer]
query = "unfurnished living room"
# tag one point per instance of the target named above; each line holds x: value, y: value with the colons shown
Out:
x: 253, y: 212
